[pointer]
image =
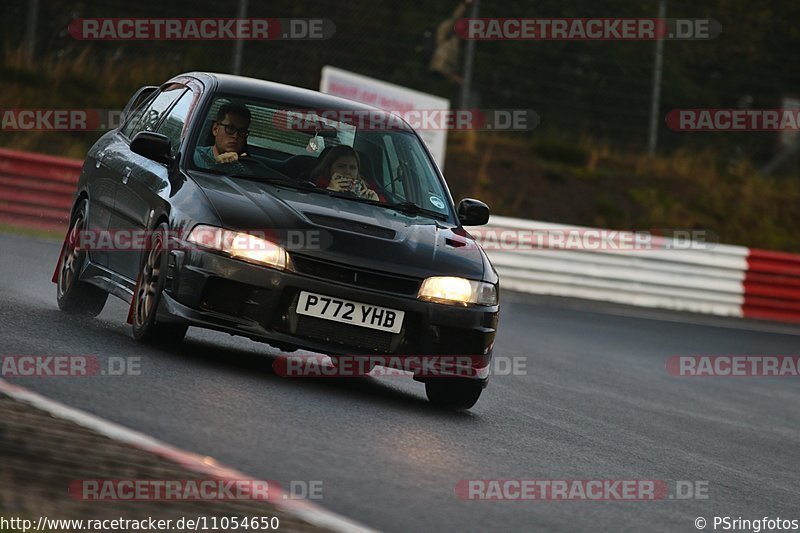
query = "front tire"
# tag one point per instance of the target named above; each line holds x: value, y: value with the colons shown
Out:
x: 73, y: 295
x: 152, y: 277
x: 453, y: 393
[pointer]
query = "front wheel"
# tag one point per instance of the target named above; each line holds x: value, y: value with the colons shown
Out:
x: 73, y: 295
x: 453, y: 393
x: 152, y: 277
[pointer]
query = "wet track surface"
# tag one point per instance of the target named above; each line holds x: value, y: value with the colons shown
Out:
x: 596, y: 402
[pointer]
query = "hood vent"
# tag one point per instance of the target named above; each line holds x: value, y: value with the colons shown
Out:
x: 351, y: 225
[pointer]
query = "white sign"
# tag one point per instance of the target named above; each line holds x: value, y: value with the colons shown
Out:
x: 389, y: 97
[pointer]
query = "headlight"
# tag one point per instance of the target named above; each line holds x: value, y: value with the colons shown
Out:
x: 446, y: 289
x: 245, y: 246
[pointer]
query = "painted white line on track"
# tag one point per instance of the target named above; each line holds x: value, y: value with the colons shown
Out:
x: 305, y: 510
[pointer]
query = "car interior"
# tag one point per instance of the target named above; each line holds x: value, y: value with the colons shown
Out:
x: 304, y: 167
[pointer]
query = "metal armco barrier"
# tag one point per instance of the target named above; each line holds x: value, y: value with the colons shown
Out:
x: 699, y: 277
x: 36, y: 191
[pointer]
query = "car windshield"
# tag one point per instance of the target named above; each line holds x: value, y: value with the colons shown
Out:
x: 365, y: 156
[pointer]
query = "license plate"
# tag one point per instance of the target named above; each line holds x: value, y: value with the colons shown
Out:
x: 349, y: 312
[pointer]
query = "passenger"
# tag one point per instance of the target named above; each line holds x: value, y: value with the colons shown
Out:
x: 230, y: 132
x: 339, y: 171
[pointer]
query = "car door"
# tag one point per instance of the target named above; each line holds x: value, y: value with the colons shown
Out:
x: 102, y: 180
x: 100, y: 184
x: 120, y: 162
x: 144, y: 182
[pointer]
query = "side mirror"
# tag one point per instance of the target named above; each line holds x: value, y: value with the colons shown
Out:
x: 153, y: 146
x: 473, y: 212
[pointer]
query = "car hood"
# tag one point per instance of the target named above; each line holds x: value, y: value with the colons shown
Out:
x: 344, y: 231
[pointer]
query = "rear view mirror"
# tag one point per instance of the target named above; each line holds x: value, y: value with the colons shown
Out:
x: 153, y: 146
x: 472, y: 212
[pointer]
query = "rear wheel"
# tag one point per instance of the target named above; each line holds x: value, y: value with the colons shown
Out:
x: 453, y: 393
x: 152, y: 277
x: 73, y: 295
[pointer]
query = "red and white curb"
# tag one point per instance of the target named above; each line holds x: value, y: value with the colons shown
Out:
x: 304, y: 510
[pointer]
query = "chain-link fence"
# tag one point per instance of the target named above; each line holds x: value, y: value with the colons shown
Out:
x: 601, y: 89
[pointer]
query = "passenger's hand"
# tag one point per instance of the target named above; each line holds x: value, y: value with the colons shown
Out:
x: 228, y: 157
x: 362, y: 191
x: 340, y: 182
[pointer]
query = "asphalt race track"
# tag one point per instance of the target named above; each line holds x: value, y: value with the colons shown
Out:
x: 596, y: 402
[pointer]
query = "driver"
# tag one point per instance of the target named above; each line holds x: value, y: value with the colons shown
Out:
x: 230, y: 132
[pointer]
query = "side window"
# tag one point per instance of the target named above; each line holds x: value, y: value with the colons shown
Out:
x: 137, y: 100
x: 172, y: 126
x: 136, y: 116
x: 149, y: 117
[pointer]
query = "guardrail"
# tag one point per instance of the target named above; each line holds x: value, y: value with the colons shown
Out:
x: 563, y: 260
x: 639, y: 269
x: 36, y: 191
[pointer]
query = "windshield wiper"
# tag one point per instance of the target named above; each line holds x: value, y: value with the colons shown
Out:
x: 410, y: 208
x: 276, y: 180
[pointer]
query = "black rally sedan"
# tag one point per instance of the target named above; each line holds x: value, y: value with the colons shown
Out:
x: 286, y: 216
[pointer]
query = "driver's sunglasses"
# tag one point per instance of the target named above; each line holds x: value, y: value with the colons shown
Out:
x: 230, y: 129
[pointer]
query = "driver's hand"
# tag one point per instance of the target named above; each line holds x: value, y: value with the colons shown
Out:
x: 340, y: 182
x: 228, y: 157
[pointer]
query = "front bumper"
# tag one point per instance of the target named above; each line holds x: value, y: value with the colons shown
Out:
x: 213, y: 291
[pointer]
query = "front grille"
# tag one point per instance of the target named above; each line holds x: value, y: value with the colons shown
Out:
x: 354, y: 276
x: 344, y: 334
x: 350, y: 225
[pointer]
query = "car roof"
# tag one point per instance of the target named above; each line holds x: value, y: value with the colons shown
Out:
x: 279, y: 92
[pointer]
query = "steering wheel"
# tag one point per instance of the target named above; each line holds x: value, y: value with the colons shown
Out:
x: 250, y: 163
